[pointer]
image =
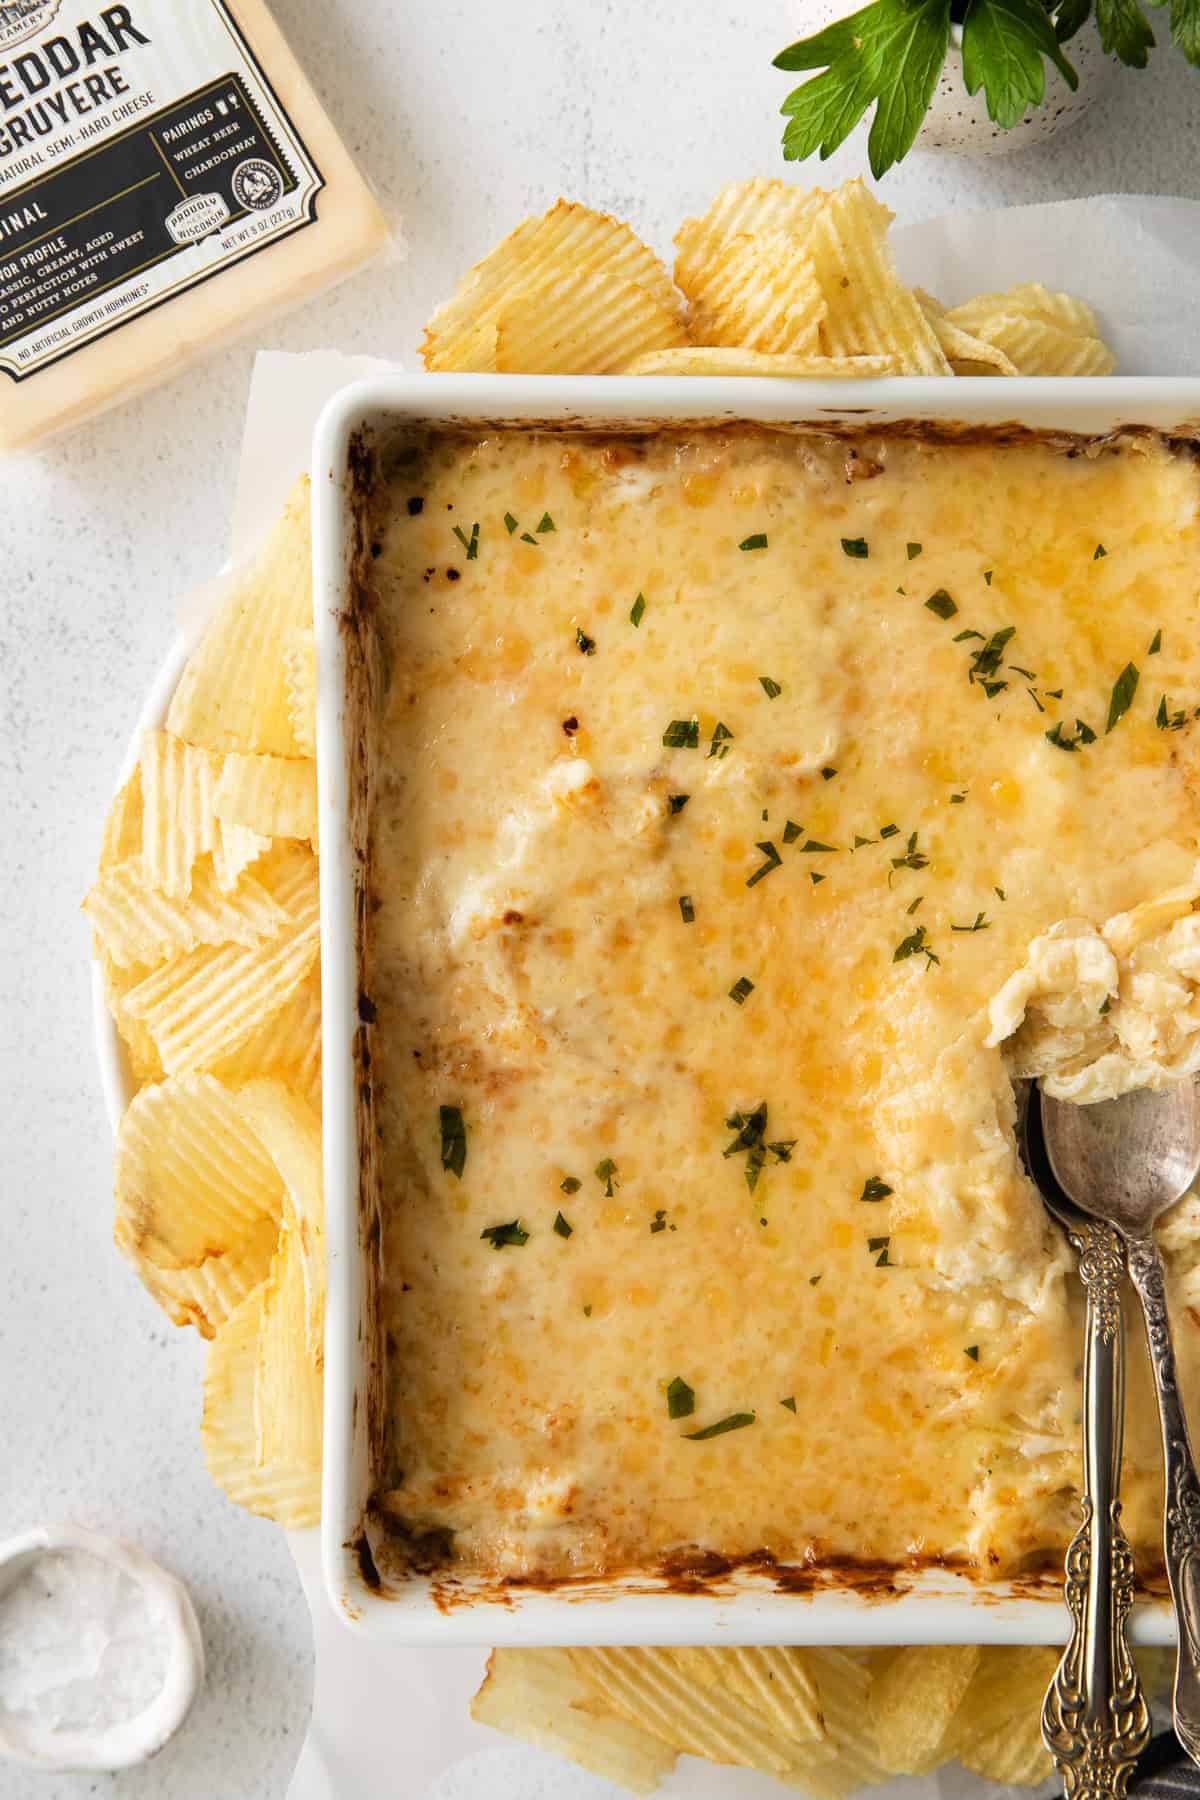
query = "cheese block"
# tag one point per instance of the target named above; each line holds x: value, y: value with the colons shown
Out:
x: 167, y: 180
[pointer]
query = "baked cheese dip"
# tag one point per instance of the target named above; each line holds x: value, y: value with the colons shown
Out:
x: 750, y: 808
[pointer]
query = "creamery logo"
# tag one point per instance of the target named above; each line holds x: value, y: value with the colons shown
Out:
x: 20, y: 19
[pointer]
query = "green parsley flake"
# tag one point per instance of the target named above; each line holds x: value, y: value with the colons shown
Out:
x: 469, y: 544
x: 814, y: 877
x: 1098, y: 552
x: 734, y: 1422
x: 789, y: 1402
x: 545, y: 523
x: 878, y: 1247
x: 817, y: 848
x: 682, y: 734
x: 583, y: 643
x: 958, y: 799
x: 770, y: 688
x: 855, y: 547
x: 756, y: 541
x: 1000, y: 893
x: 1105, y: 1004
x: 501, y: 1236
x: 887, y: 831
x: 1124, y: 688
x: 587, y: 1312
x: 941, y: 604
x: 637, y: 610
x: 912, y: 858
x: 913, y: 550
x: 972, y: 1350
x: 828, y: 774
x: 741, y: 990
x: 1155, y: 644
x: 982, y: 923
x: 911, y: 908
x: 987, y: 577
x: 681, y: 1399
x: 751, y: 1140
x: 1169, y: 721
x: 722, y: 737
x: 562, y: 1227
x: 510, y: 524
x: 687, y: 910
x: 527, y: 537
x: 875, y: 1189
x: 454, y: 1140
x: 773, y: 860
x: 813, y: 1280
x: 677, y: 802
x: 917, y: 944
x: 570, y: 1184
x: 659, y: 1221
x: 606, y: 1172
x: 1062, y: 740
x: 791, y: 831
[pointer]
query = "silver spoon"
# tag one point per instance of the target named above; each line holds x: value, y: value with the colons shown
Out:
x: 1095, y: 1720
x: 1125, y: 1161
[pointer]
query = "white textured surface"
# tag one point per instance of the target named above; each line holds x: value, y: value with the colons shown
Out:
x: 466, y: 113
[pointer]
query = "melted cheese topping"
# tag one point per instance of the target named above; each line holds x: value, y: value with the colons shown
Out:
x: 855, y: 801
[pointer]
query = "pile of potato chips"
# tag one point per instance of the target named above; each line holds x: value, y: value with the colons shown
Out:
x: 771, y: 280
x: 206, y: 926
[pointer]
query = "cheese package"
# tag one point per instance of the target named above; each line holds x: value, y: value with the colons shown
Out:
x: 167, y: 179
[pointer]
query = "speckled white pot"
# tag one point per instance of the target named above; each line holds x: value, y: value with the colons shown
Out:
x: 958, y: 121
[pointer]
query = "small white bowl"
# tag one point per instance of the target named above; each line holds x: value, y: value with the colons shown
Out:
x: 133, y: 1740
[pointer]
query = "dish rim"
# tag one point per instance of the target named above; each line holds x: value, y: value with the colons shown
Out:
x: 933, y: 1606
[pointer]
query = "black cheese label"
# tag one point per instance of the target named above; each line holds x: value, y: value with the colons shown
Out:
x: 141, y: 152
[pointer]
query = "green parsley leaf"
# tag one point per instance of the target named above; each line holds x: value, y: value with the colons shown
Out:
x: 527, y: 537
x: 587, y: 1312
x: 855, y: 547
x: 813, y: 1280
x: 1169, y: 721
x: 887, y: 831
x: 561, y: 1226
x: 1098, y: 552
x: 510, y: 524
x: 770, y: 688
x: 583, y: 643
x: 789, y: 1402
x: 1062, y: 740
x: 1124, y: 688
x: 764, y: 869
x: 682, y: 734
x: 637, y: 610
x: 1155, y: 644
x: 687, y: 910
x: 911, y: 908
x: 469, y: 544
x: 1105, y: 1004
x: 913, y: 550
x: 500, y: 1237
x: 916, y: 944
x: 941, y: 604
x: 677, y: 802
x: 880, y: 1244
x: 756, y: 541
x: 734, y: 1422
x: 912, y: 858
x: 1003, y: 44
x: 962, y: 636
x: 659, y: 1222
x: 454, y: 1140
x: 874, y: 1189
x: 741, y: 990
x: 606, y: 1172
x: 860, y: 842
x: 681, y: 1399
x: 1000, y: 893
x: 985, y: 662
x: 545, y: 523
x: 722, y: 737
x: 982, y: 923
x: 827, y: 774
x: 958, y: 799
x: 570, y: 1184
x: 972, y: 1350
x: 791, y: 831
x: 817, y: 848
x: 815, y: 878
x: 987, y: 577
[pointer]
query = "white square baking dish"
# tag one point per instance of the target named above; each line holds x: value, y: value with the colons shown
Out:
x: 743, y: 1607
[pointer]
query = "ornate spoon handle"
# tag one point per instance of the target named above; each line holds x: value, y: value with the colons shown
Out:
x: 1095, y: 1719
x: 1181, y: 1525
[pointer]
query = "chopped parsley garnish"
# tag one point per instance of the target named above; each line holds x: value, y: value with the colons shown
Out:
x: 770, y: 688
x: 741, y: 990
x: 814, y: 877
x: 756, y: 541
x: 972, y: 1350
x: 911, y: 908
x: 606, y: 1172
x: 887, y: 831
x: 1170, y: 721
x: 913, y: 550
x: 734, y: 1422
x: 562, y: 1227
x: 1155, y: 644
x: 987, y: 576
x: 813, y: 1280
x: 791, y: 831
x: 961, y: 637
x: 416, y: 505
x: 982, y: 923
x: 985, y: 662
x: 1029, y: 674
x: 860, y: 842
x: 917, y: 944
x: 789, y: 1402
x: 941, y: 604
x: 527, y: 537
x: 957, y: 799
x: 878, y: 1247
x: 1035, y: 699
x: 773, y: 860
x: 827, y: 774
x: 687, y: 910
x: 855, y: 547
x: 659, y: 1222
x: 1053, y: 693
x: 1124, y: 688
x: 817, y: 848
x: 570, y: 1184
x: 1063, y: 740
x: 500, y: 1237
x: 875, y: 1189
x: 587, y: 1312
x: 571, y: 725
x: 681, y: 1400
x: 912, y: 858
x: 583, y: 643
x: 469, y: 544
x: 751, y: 1141
x: 454, y: 1140
x: 1098, y: 552
x: 545, y: 523
x: 1105, y: 1004
x: 677, y: 802
x: 637, y: 610
x: 721, y: 740
x: 1000, y: 893
x: 682, y: 734
x: 510, y: 524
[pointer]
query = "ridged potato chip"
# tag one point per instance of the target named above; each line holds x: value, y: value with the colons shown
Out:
x: 967, y: 354
x: 914, y: 1698
x: 1037, y: 348
x: 760, y: 292
x: 300, y: 663
x: 741, y: 208
x: 287, y: 1045
x: 272, y: 796
x: 235, y: 851
x: 1009, y: 1683
x: 850, y: 1758
x: 1014, y: 1756
x: 136, y: 924
x: 1029, y: 300
x: 178, y: 825
x: 583, y: 324
x: 566, y: 242
x: 290, y: 1131
x: 233, y: 693
x: 647, y: 1688
x: 123, y: 825
x: 707, y: 359
x: 145, y: 1064
x: 289, y: 1492
x: 774, y: 1682
x: 287, y: 1375
x: 538, y: 1696
x: 210, y: 1293
x: 870, y: 311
